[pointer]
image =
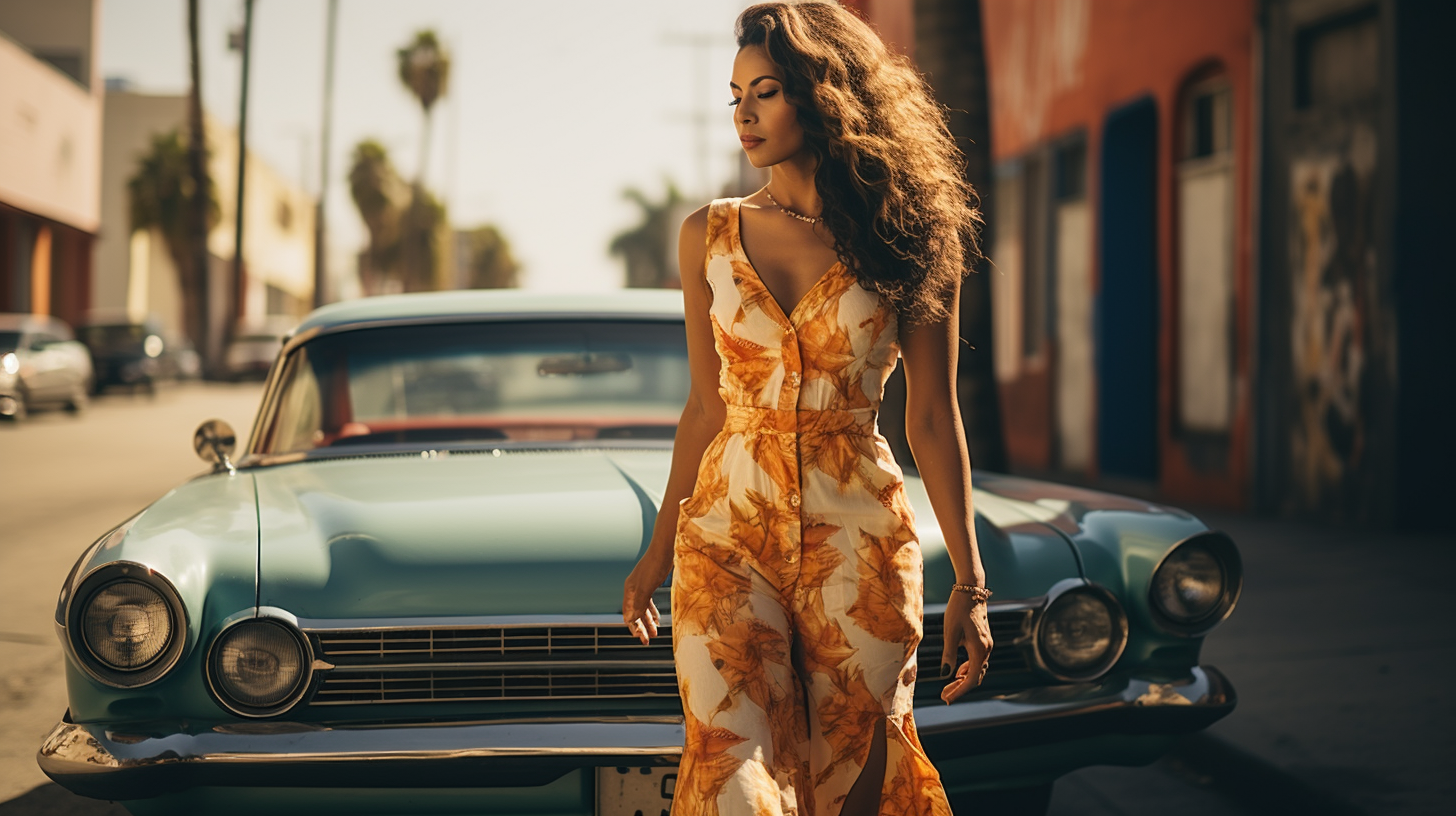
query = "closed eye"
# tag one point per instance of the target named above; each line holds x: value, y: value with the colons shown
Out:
x: 738, y: 99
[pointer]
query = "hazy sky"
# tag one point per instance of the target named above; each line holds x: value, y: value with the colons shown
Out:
x: 553, y: 108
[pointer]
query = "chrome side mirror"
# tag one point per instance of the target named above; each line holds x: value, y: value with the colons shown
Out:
x: 214, y: 443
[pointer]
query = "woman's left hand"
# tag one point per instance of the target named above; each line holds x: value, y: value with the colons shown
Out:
x: 965, y: 624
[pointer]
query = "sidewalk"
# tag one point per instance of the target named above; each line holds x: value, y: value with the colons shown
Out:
x: 1342, y: 649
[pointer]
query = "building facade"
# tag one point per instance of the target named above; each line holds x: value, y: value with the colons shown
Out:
x: 1213, y: 227
x: 50, y: 156
x: 135, y: 274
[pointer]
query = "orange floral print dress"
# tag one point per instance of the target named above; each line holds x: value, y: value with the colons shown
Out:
x: 797, y: 586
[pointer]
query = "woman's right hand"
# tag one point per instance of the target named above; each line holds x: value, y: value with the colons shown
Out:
x: 638, y: 610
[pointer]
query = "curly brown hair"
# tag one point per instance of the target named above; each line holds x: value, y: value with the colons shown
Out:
x: 904, y: 219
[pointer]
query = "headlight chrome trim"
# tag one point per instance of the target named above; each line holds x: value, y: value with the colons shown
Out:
x: 88, y: 587
x: 275, y: 617
x: 1119, y: 635
x: 1222, y: 546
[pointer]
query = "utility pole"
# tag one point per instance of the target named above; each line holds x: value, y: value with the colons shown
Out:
x: 702, y: 46
x: 235, y: 301
x: 200, y: 326
x: 320, y: 219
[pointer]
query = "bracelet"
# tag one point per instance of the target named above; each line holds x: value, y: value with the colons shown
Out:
x: 979, y: 594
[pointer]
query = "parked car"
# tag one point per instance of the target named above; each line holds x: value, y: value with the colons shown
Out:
x: 252, y: 352
x: 403, y: 595
x: 41, y: 364
x: 137, y: 354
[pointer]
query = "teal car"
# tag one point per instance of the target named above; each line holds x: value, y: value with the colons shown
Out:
x: 403, y: 595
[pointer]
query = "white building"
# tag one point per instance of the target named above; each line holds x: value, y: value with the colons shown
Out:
x: 135, y: 274
x: 50, y: 155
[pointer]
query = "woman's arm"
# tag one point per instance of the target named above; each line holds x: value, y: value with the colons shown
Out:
x: 702, y: 419
x: 936, y: 435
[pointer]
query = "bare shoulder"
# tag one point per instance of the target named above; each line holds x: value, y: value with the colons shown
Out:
x: 696, y: 224
x: 692, y: 250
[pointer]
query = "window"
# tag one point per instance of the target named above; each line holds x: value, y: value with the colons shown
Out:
x: 1205, y: 270
x: 1338, y: 60
x: 1035, y: 289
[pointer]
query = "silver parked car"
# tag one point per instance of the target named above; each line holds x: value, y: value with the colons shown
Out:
x: 41, y: 364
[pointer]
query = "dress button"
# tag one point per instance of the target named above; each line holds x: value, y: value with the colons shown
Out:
x: 794, y: 500
x: 790, y: 558
x: 794, y: 378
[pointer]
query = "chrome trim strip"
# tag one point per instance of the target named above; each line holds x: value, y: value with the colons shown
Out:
x: 323, y: 626
x: 662, y: 695
x: 508, y: 665
x: 1206, y: 687
x: 107, y: 762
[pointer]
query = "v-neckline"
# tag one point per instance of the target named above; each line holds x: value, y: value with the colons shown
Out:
x: 787, y: 316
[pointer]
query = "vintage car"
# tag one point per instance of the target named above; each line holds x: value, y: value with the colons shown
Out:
x: 41, y: 364
x: 404, y: 595
x: 137, y: 354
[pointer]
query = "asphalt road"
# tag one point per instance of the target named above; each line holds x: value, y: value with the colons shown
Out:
x: 65, y: 480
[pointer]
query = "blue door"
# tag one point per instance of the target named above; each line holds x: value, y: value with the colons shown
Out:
x: 1126, y: 309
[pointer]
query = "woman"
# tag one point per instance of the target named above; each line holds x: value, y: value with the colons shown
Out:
x: 797, y: 589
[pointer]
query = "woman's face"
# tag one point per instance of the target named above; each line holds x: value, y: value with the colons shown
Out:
x: 768, y: 126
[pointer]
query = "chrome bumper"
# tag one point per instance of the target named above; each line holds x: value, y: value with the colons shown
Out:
x: 106, y: 763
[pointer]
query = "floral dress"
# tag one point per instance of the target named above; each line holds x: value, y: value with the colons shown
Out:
x: 797, y: 586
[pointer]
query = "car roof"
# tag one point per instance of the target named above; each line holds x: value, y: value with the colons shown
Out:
x: 25, y: 322
x: 493, y: 304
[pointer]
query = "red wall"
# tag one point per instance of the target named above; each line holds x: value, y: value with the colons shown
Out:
x: 1058, y: 66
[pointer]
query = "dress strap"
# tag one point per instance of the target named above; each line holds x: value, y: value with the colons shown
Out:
x: 720, y: 219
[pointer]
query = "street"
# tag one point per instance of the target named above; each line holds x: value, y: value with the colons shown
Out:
x: 66, y: 480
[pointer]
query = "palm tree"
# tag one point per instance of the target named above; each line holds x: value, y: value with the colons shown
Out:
x: 424, y: 68
x: 647, y: 247
x: 378, y: 194
x: 424, y: 240
x: 491, y: 264
x: 160, y: 196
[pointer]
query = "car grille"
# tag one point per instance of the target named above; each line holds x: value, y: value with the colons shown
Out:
x: 557, y: 662
x: 1010, y: 664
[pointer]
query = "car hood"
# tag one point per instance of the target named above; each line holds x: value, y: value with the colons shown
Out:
x: 526, y: 532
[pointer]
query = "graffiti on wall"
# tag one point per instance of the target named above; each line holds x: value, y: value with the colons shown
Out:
x: 1337, y: 321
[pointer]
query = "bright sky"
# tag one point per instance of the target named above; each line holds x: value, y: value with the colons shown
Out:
x: 553, y: 107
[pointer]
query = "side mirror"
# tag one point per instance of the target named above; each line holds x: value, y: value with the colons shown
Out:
x: 214, y: 442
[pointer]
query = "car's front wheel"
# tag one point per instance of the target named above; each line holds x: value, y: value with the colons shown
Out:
x: 80, y: 398
x: 12, y: 407
x: 1032, y: 801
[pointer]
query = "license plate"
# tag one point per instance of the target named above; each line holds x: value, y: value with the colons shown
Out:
x: 625, y: 791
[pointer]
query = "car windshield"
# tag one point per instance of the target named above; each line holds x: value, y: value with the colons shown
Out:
x: 556, y: 381
x: 116, y: 336
x: 9, y: 341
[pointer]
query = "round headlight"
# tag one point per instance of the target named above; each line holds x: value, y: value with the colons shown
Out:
x: 1081, y: 634
x: 1190, y: 584
x: 259, y: 667
x: 126, y: 625
x: 1196, y: 584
